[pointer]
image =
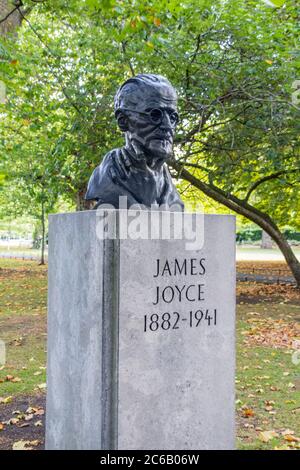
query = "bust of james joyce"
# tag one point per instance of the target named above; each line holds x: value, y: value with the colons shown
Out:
x: 146, y: 112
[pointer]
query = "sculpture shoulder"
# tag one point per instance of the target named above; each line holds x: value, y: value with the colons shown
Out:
x: 101, y: 177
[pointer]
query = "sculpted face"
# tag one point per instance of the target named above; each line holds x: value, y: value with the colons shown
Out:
x: 151, y: 117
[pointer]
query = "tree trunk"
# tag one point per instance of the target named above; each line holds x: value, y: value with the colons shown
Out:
x: 81, y: 203
x: 244, y: 208
x: 10, y: 18
x: 43, y: 235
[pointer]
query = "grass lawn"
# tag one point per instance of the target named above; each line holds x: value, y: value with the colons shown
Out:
x: 268, y: 382
x: 23, y: 300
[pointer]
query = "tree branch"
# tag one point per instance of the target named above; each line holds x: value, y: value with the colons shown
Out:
x: 123, y: 44
x: 242, y: 207
x: 267, y: 178
x: 16, y: 8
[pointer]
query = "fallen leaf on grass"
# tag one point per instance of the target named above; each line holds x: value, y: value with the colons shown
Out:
x: 290, y: 438
x: 269, y: 408
x: 42, y: 386
x: 6, y: 400
x: 22, y: 445
x: 266, y: 436
x: 296, y: 410
x: 278, y: 334
x: 35, y: 443
x: 11, y: 378
x: 247, y: 425
x: 248, y: 412
x: 287, y: 432
x: 8, y: 378
x: 28, y: 417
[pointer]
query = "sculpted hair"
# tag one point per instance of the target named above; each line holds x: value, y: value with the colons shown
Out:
x: 126, y: 94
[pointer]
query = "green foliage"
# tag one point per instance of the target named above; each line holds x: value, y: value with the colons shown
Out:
x: 233, y: 64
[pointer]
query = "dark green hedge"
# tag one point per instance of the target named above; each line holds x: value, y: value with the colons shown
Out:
x: 249, y: 235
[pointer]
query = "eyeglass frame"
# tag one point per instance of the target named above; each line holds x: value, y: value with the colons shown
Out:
x: 148, y: 114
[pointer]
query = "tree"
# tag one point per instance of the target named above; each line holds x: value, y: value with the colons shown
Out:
x: 233, y: 63
x: 10, y: 18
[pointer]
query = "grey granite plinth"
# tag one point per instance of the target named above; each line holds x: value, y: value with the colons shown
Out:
x: 141, y: 348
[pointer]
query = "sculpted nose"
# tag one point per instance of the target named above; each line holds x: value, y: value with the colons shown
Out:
x: 166, y: 124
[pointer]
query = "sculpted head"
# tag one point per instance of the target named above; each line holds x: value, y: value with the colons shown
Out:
x: 146, y: 110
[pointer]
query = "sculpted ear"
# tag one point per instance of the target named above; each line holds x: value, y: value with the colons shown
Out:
x: 122, y: 121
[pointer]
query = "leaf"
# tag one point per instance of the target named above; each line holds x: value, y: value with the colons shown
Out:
x: 1, y: 426
x: 13, y: 421
x: 286, y: 432
x: 21, y: 445
x: 16, y: 380
x: 278, y: 3
x: 35, y: 443
x: 290, y: 438
x: 266, y: 436
x: 42, y: 386
x: 8, y: 378
x: 268, y: 408
x: 28, y: 417
x: 6, y: 400
x: 248, y: 412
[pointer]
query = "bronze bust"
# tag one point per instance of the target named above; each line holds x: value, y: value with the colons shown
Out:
x: 146, y: 111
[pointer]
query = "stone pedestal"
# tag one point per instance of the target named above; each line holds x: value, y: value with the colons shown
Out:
x: 141, y: 332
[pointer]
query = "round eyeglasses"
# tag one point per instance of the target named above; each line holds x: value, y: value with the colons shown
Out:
x: 156, y: 115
